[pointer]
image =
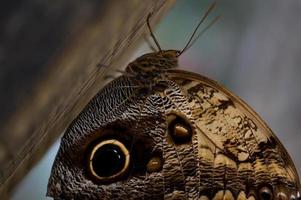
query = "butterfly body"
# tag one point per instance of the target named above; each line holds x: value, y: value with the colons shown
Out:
x: 185, y: 137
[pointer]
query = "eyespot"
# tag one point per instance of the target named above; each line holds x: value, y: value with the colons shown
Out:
x: 108, y: 160
x: 155, y: 164
x: 179, y: 129
x: 265, y: 193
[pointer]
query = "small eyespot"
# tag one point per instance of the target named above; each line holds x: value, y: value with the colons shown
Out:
x: 179, y: 129
x: 265, y: 193
x: 281, y: 196
x: 155, y: 164
x: 108, y: 161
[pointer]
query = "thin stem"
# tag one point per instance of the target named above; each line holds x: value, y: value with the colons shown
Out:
x: 151, y: 32
x: 203, y: 31
x: 199, y: 24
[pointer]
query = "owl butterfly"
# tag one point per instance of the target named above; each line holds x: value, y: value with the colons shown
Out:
x: 160, y: 133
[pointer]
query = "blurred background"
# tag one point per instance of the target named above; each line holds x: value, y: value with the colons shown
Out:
x: 254, y: 50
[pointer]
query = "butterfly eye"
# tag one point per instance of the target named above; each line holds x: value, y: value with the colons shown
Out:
x: 108, y: 161
x: 179, y: 129
x: 265, y: 194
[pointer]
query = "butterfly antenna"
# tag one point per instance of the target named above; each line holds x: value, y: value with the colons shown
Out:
x: 197, y: 27
x: 150, y: 45
x: 151, y: 32
x: 203, y: 31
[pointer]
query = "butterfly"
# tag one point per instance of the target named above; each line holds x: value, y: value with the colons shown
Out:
x: 157, y: 132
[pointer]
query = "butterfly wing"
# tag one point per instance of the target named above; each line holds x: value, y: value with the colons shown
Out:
x: 237, y: 151
x: 186, y: 136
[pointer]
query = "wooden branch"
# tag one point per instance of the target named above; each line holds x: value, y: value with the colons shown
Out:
x: 83, y: 43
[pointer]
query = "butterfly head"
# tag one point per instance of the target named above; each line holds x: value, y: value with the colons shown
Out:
x: 155, y: 63
x: 170, y: 55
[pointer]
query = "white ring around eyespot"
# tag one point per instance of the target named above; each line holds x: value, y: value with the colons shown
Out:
x: 126, y: 163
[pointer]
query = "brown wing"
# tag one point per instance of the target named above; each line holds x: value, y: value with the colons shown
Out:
x: 237, y: 150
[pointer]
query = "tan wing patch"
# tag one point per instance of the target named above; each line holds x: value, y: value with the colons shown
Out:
x: 235, y: 147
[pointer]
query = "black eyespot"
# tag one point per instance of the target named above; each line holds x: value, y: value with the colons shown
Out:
x: 265, y: 193
x: 108, y: 160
